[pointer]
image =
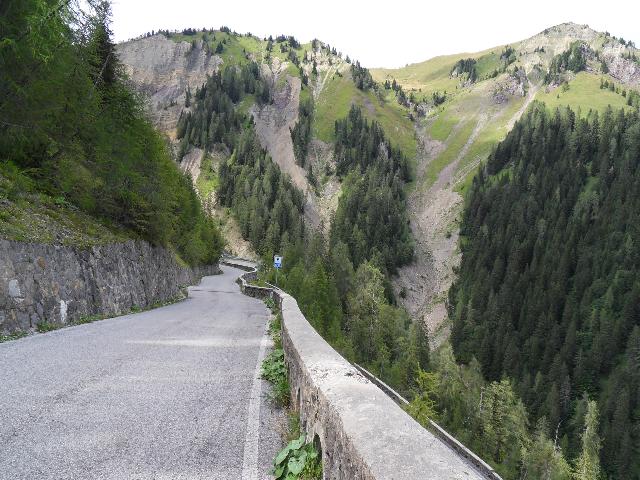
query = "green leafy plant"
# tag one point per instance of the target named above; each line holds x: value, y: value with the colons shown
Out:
x: 270, y: 303
x: 275, y: 327
x: 13, y: 336
x: 45, y: 326
x: 298, y: 461
x: 274, y: 370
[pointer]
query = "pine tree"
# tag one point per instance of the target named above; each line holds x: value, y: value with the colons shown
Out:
x: 542, y: 459
x: 423, y: 405
x: 504, y: 423
x: 104, y: 61
x: 587, y: 465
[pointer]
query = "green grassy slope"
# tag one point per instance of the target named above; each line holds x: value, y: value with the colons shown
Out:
x: 454, y: 122
x: 429, y: 76
x: 469, y: 124
x: 584, y: 94
x: 336, y: 98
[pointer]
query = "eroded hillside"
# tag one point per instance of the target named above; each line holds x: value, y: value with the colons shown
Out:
x: 445, y: 114
x: 469, y: 102
x: 169, y: 69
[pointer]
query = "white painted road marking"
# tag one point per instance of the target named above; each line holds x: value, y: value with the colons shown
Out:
x: 250, y: 461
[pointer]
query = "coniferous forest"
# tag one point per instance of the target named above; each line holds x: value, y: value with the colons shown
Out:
x: 371, y: 217
x: 541, y: 373
x: 342, y: 282
x: 548, y: 293
x: 342, y: 285
x: 269, y: 209
x: 72, y: 129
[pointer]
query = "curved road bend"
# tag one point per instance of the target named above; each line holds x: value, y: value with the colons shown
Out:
x: 171, y: 393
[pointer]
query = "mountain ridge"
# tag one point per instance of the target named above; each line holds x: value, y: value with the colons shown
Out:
x: 446, y: 123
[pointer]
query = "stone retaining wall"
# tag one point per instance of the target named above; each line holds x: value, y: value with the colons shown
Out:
x: 362, y: 433
x: 60, y: 284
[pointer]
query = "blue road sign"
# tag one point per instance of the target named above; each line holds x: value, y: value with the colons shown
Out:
x: 277, y: 261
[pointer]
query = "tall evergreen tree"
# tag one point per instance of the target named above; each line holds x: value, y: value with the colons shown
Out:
x: 548, y: 288
x: 587, y: 465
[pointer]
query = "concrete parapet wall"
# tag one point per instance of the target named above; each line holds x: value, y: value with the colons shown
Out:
x: 362, y: 432
x: 436, y: 429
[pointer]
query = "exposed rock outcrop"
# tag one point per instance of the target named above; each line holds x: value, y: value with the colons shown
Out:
x: 163, y: 69
x: 273, y: 123
x: 623, y: 69
x: 273, y: 127
x: 192, y: 162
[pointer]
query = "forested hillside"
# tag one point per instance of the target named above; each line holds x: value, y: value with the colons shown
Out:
x: 353, y: 151
x: 73, y: 136
x: 372, y: 215
x: 463, y: 105
x: 341, y: 284
x: 357, y: 178
x: 548, y: 293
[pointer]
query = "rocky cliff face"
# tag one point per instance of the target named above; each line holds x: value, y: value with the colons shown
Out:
x: 58, y: 284
x: 623, y: 69
x: 555, y: 40
x: 274, y: 123
x: 541, y: 48
x: 162, y: 69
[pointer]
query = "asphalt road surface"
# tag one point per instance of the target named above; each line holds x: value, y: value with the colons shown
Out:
x: 171, y: 393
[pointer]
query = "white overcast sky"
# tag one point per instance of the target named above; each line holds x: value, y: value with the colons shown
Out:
x: 386, y: 34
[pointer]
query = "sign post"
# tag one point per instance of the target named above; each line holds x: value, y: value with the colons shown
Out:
x: 277, y: 263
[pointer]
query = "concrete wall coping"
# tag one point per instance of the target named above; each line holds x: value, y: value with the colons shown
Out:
x: 362, y: 432
x: 484, y: 468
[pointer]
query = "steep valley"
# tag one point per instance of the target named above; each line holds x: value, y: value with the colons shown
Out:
x: 429, y: 270
x: 448, y: 140
x: 460, y: 232
x: 458, y: 135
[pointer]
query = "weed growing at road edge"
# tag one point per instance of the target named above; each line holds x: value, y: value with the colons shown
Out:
x: 45, y: 326
x: 293, y: 423
x: 274, y: 370
x: 298, y: 461
x: 275, y: 327
x: 270, y: 303
x: 13, y: 336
